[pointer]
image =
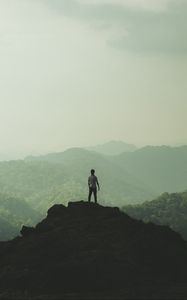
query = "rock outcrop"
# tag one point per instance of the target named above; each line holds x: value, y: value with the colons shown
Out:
x: 88, y: 248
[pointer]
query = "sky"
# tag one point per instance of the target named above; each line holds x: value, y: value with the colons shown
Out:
x: 84, y: 72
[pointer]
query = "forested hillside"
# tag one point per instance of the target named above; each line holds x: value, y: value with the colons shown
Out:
x: 61, y: 177
x: 13, y: 214
x: 168, y: 209
x: 128, y: 178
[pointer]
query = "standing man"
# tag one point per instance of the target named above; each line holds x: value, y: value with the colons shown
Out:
x: 93, y: 184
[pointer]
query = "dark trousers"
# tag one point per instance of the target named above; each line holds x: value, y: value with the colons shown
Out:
x: 94, y: 191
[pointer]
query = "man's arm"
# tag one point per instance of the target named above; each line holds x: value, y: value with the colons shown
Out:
x: 98, y: 184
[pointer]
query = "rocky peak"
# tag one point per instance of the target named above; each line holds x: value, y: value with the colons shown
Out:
x: 88, y: 247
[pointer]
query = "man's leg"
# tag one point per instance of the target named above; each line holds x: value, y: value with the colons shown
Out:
x: 90, y: 194
x: 95, y: 195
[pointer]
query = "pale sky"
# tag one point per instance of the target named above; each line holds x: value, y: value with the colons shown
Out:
x: 79, y: 73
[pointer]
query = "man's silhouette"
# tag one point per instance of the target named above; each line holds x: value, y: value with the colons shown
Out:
x: 93, y: 184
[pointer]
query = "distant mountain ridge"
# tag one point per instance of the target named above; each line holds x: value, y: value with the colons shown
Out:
x: 162, y: 168
x: 129, y: 178
x: 113, y: 148
x: 75, y: 165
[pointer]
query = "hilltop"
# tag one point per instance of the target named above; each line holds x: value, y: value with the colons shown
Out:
x: 113, y: 148
x: 87, y: 250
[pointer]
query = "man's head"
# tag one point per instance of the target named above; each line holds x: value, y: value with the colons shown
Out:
x: 92, y: 171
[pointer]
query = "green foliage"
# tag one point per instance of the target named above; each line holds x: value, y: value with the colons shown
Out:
x: 168, y: 209
x: 13, y: 214
x: 61, y: 177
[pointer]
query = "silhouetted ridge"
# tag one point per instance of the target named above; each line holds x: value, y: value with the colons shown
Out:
x: 88, y: 247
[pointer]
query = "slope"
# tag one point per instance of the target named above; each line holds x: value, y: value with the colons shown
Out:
x: 163, y: 169
x: 87, y: 248
x: 13, y: 214
x: 168, y: 209
x: 60, y: 177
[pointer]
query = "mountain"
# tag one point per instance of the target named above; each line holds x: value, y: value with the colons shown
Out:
x: 162, y: 169
x: 113, y: 148
x: 168, y: 209
x: 87, y: 251
x: 7, y: 230
x: 60, y: 177
x: 13, y: 214
x: 129, y: 178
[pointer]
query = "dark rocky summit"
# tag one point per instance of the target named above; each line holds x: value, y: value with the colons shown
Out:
x: 89, y: 249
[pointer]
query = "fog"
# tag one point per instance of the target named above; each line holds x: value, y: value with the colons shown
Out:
x: 79, y: 73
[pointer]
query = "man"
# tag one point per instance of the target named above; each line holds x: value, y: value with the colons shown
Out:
x: 93, y: 184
